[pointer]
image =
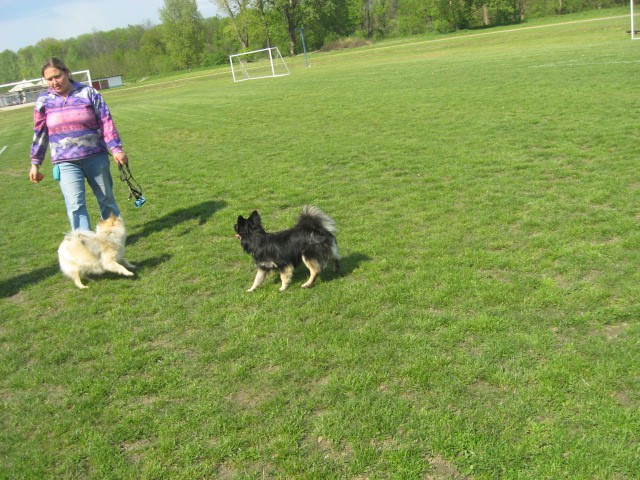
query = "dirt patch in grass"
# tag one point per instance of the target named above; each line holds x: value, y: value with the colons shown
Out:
x: 625, y: 399
x: 135, y: 450
x: 226, y: 471
x: 250, y: 398
x: 443, y: 470
x: 328, y: 448
x: 613, y: 331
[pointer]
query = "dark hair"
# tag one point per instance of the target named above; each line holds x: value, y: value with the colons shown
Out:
x: 54, y: 62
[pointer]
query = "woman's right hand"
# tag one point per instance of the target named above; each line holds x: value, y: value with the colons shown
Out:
x: 34, y: 174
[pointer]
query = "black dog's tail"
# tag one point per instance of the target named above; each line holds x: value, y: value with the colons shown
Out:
x: 312, y: 218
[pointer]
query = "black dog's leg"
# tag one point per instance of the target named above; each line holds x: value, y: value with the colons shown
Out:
x: 285, y: 276
x: 314, y: 270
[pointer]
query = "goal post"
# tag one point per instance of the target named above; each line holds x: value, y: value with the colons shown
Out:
x: 635, y: 35
x: 82, y: 76
x: 263, y: 63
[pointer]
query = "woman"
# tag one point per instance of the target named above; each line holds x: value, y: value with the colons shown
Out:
x: 75, y: 122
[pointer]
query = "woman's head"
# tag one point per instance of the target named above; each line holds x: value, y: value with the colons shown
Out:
x: 57, y: 75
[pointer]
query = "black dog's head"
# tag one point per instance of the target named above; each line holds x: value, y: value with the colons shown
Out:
x: 246, y: 227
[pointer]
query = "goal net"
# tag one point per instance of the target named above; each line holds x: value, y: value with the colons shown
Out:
x: 83, y: 76
x: 267, y: 62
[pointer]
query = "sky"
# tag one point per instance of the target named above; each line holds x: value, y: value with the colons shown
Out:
x: 25, y: 22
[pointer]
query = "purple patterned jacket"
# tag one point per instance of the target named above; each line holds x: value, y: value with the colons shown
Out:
x: 75, y: 127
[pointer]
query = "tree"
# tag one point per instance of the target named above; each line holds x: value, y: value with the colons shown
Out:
x: 30, y: 60
x: 453, y: 14
x: 267, y: 26
x: 290, y: 11
x: 154, y: 52
x: 324, y: 20
x: 217, y: 47
x: 237, y: 11
x: 50, y: 47
x: 9, y: 71
x: 415, y: 16
x: 385, y: 11
x: 152, y: 44
x: 519, y: 10
x: 500, y: 12
x: 183, y: 32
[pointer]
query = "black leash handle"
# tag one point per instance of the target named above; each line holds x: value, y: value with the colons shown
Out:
x: 134, y: 187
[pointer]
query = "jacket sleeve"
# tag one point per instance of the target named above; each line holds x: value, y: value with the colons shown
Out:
x: 109, y: 130
x: 40, y: 134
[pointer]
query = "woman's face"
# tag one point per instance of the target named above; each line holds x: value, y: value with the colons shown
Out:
x: 58, y: 80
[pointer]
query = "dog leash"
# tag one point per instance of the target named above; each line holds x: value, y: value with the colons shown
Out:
x: 134, y: 187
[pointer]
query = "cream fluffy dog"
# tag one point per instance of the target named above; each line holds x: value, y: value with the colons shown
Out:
x: 83, y: 253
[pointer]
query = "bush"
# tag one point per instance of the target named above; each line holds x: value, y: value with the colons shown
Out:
x: 442, y: 26
x: 211, y: 59
x: 343, y: 43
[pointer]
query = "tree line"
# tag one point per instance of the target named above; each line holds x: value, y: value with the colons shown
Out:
x: 186, y: 40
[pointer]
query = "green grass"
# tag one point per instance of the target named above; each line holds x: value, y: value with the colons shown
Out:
x: 485, y: 323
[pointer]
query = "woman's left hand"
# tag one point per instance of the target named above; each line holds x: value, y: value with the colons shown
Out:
x: 121, y: 158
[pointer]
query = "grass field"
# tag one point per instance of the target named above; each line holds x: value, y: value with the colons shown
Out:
x: 486, y: 320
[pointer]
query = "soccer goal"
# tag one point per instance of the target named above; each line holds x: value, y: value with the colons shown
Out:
x: 82, y: 76
x: 267, y: 62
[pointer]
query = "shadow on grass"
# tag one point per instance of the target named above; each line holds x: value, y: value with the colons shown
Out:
x: 12, y: 286
x: 203, y: 211
x: 347, y: 265
x: 149, y: 263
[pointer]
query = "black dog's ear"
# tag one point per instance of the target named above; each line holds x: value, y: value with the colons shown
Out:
x: 254, y: 217
x: 241, y: 225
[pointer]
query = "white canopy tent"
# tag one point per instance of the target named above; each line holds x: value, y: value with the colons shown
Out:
x: 27, y: 91
x: 20, y: 86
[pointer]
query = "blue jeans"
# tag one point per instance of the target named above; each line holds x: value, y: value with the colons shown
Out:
x: 96, y: 170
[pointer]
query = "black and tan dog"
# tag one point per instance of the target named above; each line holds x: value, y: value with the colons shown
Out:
x: 312, y: 240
